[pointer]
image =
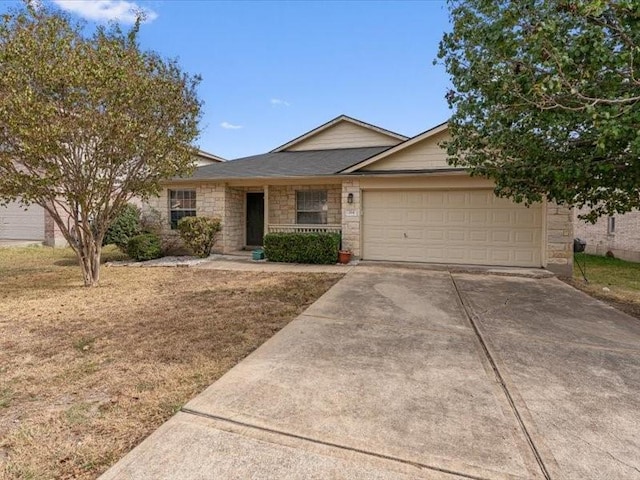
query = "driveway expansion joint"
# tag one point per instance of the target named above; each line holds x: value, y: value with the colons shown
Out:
x: 303, y: 438
x: 471, y: 317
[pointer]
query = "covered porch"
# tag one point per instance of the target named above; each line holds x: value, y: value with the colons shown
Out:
x: 252, y: 211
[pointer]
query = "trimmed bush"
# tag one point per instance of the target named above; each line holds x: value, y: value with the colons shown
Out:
x: 199, y: 233
x: 145, y: 246
x: 319, y: 248
x: 125, y: 226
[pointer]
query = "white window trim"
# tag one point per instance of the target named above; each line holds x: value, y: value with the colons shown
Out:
x: 177, y: 208
x: 611, y: 225
x: 324, y: 209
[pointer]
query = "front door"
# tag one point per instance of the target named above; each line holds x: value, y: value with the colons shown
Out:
x: 255, y: 218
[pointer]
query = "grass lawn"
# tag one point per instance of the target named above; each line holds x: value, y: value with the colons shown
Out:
x: 86, y: 374
x: 620, y: 278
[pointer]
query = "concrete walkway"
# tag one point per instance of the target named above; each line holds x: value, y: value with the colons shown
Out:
x: 240, y: 263
x: 401, y: 373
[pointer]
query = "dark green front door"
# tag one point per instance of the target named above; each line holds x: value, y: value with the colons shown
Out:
x: 255, y: 218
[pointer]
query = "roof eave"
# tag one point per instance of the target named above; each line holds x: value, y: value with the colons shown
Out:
x: 372, y: 173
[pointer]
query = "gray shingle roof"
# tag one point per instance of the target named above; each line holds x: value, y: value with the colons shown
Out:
x: 288, y: 164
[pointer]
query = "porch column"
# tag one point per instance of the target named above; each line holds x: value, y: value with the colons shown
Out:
x: 351, y: 215
x: 266, y: 209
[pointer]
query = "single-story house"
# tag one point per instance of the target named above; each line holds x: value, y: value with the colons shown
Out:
x: 618, y: 234
x: 34, y: 224
x: 392, y: 197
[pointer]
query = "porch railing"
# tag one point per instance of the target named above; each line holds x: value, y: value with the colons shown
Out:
x: 304, y: 228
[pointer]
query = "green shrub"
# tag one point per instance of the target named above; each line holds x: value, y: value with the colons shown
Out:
x: 319, y: 248
x: 199, y: 233
x: 145, y: 246
x: 125, y: 226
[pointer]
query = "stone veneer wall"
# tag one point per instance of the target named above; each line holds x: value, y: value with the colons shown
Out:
x: 282, y: 203
x: 234, y: 219
x: 351, y: 216
x: 559, y: 239
x: 210, y: 201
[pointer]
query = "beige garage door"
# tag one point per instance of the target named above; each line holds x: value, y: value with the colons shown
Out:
x: 18, y: 224
x: 466, y: 226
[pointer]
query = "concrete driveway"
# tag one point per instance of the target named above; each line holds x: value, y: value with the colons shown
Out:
x: 415, y: 374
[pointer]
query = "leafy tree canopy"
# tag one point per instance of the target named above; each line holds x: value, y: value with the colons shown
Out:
x: 87, y: 122
x: 546, y: 99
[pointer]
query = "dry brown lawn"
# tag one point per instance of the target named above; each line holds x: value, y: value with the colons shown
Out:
x: 86, y: 374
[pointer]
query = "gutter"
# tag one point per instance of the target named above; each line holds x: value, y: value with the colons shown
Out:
x: 344, y: 176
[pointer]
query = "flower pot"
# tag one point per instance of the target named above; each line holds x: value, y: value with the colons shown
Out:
x: 344, y: 256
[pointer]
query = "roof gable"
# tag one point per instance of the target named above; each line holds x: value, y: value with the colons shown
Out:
x: 203, y: 158
x: 394, y: 158
x: 209, y: 156
x: 343, y: 132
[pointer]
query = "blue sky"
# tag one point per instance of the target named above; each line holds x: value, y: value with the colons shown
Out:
x: 274, y: 70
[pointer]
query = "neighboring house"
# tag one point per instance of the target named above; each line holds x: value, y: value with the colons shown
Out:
x: 205, y: 158
x: 618, y: 234
x: 34, y: 224
x: 393, y: 198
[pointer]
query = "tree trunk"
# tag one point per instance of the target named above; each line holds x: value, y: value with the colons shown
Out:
x: 89, y: 256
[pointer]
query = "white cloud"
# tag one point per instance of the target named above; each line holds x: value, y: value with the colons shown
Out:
x: 279, y: 101
x: 105, y: 10
x: 230, y: 126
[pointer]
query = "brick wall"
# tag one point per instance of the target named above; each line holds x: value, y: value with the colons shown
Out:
x: 624, y: 243
x: 282, y: 203
x: 559, y: 239
x: 52, y: 234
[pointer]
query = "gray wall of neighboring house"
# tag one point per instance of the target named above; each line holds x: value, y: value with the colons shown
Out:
x: 18, y: 222
x: 620, y: 236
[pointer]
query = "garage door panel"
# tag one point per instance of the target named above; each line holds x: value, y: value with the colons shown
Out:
x: 436, y: 217
x: 500, y: 236
x: 433, y: 199
x: 472, y: 226
x: 415, y: 216
x: 457, y: 199
x: 479, y: 236
x: 452, y: 253
x: 456, y: 217
x: 527, y: 237
x: 478, y: 217
x: 479, y: 199
x: 456, y: 236
x: 497, y: 256
x: 502, y: 218
x: 435, y: 234
x: 526, y: 256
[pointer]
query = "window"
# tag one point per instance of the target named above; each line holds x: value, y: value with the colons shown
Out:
x: 611, y: 225
x: 182, y: 203
x: 311, y: 207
